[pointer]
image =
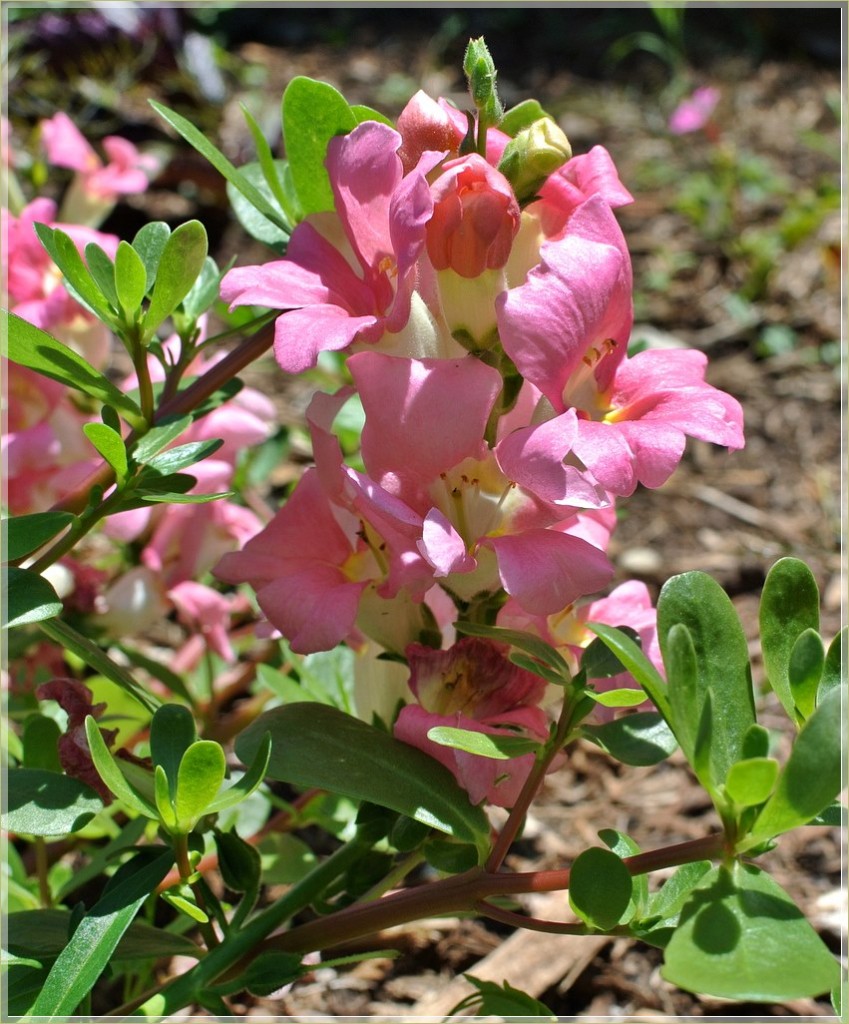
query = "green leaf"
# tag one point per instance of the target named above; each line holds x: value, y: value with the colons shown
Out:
x: 599, y: 662
x: 31, y: 347
x: 174, y: 459
x: 685, y: 698
x: 247, y: 784
x: 313, y: 112
x: 90, y: 948
x: 163, y: 799
x: 353, y: 763
x: 130, y: 280
x: 804, y: 671
x: 834, y: 670
x: 159, y: 437
x: 44, y: 934
x: 64, y: 253
x: 623, y: 697
x: 172, y: 732
x: 696, y: 601
x: 501, y: 1001
x: 110, y: 445
x: 364, y: 113
x: 624, y: 846
x: 204, y: 291
x: 102, y: 269
x: 176, y: 498
x: 741, y: 937
x: 186, y: 905
x: 111, y: 774
x: 810, y: 780
x: 483, y: 744
x: 25, y: 534
x: 789, y: 605
x: 600, y: 888
x: 180, y: 264
x: 641, y: 739
x: 28, y: 598
x: 149, y: 244
x: 199, y: 778
x: 756, y: 742
x: 42, y: 803
x: 663, y: 913
x: 238, y: 861
x: 40, y: 742
x: 751, y: 781
x: 524, y: 641
x: 257, y: 224
x: 636, y: 663
x: 66, y: 636
x: 201, y: 143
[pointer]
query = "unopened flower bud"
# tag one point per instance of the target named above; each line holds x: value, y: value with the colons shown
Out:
x: 534, y: 154
x: 480, y: 71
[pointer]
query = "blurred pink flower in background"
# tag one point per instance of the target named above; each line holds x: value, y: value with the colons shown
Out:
x: 694, y: 112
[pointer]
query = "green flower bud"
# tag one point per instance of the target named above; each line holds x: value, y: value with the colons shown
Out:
x: 536, y: 152
x: 481, y: 74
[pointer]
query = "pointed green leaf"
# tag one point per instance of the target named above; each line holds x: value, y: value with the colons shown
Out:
x: 172, y: 460
x: 247, y: 784
x: 66, y: 256
x: 66, y: 636
x: 204, y: 291
x: 201, y: 143
x: 181, y: 261
x: 31, y: 347
x: 256, y: 223
x: 353, y: 763
x: 599, y: 662
x: 600, y: 888
x: 186, y: 905
x: 526, y: 642
x: 238, y: 861
x: 102, y: 269
x: 272, y: 170
x: 42, y: 803
x: 810, y: 780
x: 741, y: 937
x: 177, y: 498
x: 632, y: 657
x: 25, y: 534
x: 149, y: 244
x: 44, y: 934
x: 697, y: 601
x: 28, y: 598
x: 623, y: 697
x: 130, y: 280
x: 199, y: 778
x: 313, y: 112
x: 789, y: 605
x: 111, y: 774
x: 500, y: 748
x: 640, y: 739
x: 110, y: 445
x: 92, y: 945
x: 159, y: 437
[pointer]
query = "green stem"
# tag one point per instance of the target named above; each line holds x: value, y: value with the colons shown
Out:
x: 182, y: 991
x: 184, y: 866
x: 533, y: 924
x: 41, y: 867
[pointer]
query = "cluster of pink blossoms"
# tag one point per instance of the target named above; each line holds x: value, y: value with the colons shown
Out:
x: 487, y: 329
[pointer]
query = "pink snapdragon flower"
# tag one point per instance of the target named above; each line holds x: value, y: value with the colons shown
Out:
x: 346, y: 278
x: 483, y: 526
x: 473, y: 686
x: 694, y: 113
x: 567, y: 330
x: 126, y: 171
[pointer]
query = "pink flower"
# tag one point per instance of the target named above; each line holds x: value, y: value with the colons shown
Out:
x: 473, y: 686
x: 426, y: 126
x: 567, y: 328
x: 482, y: 527
x: 201, y: 607
x: 333, y: 302
x: 475, y: 218
x: 126, y: 171
x: 694, y: 112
